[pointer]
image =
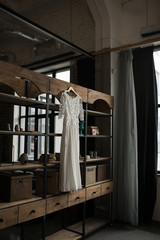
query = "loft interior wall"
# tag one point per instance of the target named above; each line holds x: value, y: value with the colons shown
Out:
x: 91, y: 25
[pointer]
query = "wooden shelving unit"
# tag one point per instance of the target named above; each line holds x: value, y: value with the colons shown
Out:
x: 64, y: 234
x: 36, y: 206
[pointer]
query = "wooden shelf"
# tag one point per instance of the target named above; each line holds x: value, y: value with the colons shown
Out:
x: 98, y: 114
x: 31, y: 133
x: 97, y: 183
x: 96, y: 136
x: 18, y: 166
x: 55, y: 134
x: 64, y: 234
x: 12, y: 204
x: 91, y: 224
x: 22, y: 101
x: 95, y: 159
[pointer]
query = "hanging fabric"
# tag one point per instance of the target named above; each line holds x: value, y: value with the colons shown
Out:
x: 125, y: 144
x: 72, y: 109
x: 146, y: 101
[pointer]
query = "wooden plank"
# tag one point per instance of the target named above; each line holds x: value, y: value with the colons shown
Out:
x: 31, y: 210
x: 4, y: 205
x: 31, y: 133
x: 58, y: 86
x: 56, y: 203
x: 8, y: 98
x: 95, y: 95
x: 76, y: 197
x: 65, y: 235
x: 95, y: 159
x: 16, y: 166
x: 107, y: 188
x: 93, y: 192
x: 92, y: 224
x: 10, y: 80
x: 97, y: 183
x: 8, y: 217
x: 41, y: 81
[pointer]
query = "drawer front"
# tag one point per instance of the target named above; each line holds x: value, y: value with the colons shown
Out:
x: 76, y: 197
x: 93, y: 192
x: 56, y: 203
x: 8, y: 217
x: 31, y: 210
x: 107, y: 188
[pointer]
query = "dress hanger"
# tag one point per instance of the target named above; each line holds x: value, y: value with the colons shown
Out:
x: 71, y: 89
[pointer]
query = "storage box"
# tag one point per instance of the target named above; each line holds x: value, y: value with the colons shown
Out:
x: 92, y: 130
x: 103, y: 172
x: 15, y: 186
x: 90, y: 174
x: 52, y: 186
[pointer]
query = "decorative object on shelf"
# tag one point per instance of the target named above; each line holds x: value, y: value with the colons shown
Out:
x: 8, y: 127
x: 57, y: 155
x: 91, y: 154
x: 16, y: 186
x: 90, y: 174
x: 23, y: 159
x: 50, y: 158
x: 92, y: 130
x: 17, y: 128
x: 87, y: 157
x: 52, y: 181
x: 72, y: 109
x: 95, y: 154
x: 81, y: 127
x: 103, y: 172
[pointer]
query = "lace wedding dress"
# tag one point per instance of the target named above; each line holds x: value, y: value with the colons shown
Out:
x: 71, y: 108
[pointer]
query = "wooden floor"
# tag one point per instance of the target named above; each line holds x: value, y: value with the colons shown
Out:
x: 64, y: 235
x: 91, y: 225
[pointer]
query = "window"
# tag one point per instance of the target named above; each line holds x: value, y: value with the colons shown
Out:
x: 34, y: 120
x: 157, y: 69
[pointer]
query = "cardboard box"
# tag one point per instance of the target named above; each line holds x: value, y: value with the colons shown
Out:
x: 52, y: 185
x: 90, y: 174
x: 103, y: 172
x: 92, y: 130
x: 15, y: 186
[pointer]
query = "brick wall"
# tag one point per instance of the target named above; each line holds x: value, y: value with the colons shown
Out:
x: 6, y: 116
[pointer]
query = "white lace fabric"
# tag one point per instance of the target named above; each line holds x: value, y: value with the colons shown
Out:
x: 72, y: 109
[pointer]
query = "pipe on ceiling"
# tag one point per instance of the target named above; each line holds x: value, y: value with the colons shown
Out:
x: 43, y: 30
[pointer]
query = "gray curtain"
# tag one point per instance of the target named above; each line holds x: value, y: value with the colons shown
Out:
x: 125, y: 144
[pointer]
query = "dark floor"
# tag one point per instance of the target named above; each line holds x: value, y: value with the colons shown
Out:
x: 120, y: 231
x: 116, y: 231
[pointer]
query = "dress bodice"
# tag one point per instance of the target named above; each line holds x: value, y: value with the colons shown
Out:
x: 71, y: 108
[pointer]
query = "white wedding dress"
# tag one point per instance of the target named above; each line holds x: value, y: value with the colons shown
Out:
x: 70, y: 177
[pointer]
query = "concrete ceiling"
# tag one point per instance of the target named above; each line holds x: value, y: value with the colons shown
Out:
x: 24, y: 44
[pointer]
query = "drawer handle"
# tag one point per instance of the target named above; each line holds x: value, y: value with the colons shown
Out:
x: 1, y: 220
x: 33, y: 211
x: 57, y: 204
x: 94, y: 193
x: 77, y: 198
x: 107, y: 188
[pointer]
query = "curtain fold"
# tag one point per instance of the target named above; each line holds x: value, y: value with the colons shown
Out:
x: 125, y: 144
x: 146, y: 102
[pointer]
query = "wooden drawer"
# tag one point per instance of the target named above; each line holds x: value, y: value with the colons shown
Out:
x: 56, y: 203
x: 31, y: 210
x: 76, y: 197
x: 8, y: 217
x: 93, y: 192
x: 107, y: 188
